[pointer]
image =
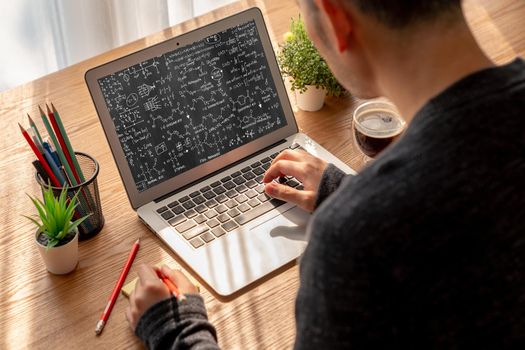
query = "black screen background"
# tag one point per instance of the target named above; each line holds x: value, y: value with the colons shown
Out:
x: 188, y: 106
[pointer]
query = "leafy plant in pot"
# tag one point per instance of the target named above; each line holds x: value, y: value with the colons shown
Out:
x: 57, y: 235
x: 307, y: 71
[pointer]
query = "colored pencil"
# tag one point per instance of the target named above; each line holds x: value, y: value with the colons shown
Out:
x: 50, y: 172
x: 171, y: 286
x: 57, y: 146
x: 32, y: 135
x: 104, y: 318
x: 68, y: 143
x: 77, y: 171
x: 33, y: 125
x: 85, y: 200
x: 47, y: 147
x: 43, y: 162
x: 54, y: 167
x: 62, y: 143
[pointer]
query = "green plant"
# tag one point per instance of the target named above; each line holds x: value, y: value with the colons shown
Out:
x: 55, y: 215
x: 299, y: 59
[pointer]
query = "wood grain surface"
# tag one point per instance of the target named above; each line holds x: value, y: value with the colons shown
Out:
x: 42, y: 311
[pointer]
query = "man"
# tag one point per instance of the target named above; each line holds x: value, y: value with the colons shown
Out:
x: 425, y: 247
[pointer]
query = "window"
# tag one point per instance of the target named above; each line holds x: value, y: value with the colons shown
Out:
x: 48, y: 35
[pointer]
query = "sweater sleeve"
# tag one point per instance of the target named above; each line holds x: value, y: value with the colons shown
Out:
x: 330, y: 181
x: 170, y: 324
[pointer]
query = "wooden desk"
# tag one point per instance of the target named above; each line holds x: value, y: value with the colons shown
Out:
x: 39, y: 310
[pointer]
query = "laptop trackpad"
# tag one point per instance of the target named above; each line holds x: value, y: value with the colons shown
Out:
x: 291, y: 224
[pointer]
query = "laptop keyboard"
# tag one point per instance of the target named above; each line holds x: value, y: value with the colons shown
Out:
x: 224, y: 205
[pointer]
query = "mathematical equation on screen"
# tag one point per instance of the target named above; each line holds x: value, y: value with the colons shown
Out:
x: 178, y: 110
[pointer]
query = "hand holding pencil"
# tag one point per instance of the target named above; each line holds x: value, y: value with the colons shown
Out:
x: 174, y: 290
x: 152, y: 287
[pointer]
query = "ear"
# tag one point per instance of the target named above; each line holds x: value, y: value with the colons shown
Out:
x: 340, y: 21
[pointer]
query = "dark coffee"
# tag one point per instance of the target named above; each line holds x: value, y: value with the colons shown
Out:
x: 372, y: 146
x: 375, y: 129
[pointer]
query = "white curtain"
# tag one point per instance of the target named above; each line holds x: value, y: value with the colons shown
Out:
x: 42, y: 36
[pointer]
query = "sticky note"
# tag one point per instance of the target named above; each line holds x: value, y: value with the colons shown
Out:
x: 129, y: 287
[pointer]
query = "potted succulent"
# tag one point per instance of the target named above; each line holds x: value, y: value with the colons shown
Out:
x: 57, y: 235
x: 308, y: 73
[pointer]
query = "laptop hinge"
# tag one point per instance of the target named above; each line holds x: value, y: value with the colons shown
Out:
x: 218, y: 171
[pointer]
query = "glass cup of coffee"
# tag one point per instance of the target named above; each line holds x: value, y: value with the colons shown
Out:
x: 377, y: 123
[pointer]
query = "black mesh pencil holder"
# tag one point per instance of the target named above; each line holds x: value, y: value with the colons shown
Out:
x: 88, y: 197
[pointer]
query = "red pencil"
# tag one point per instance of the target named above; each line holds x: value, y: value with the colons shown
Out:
x: 103, y: 319
x: 60, y: 138
x: 40, y: 157
x: 171, y: 286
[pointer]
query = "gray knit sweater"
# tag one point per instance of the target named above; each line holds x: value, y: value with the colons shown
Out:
x: 424, y: 249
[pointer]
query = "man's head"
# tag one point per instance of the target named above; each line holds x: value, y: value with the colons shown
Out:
x: 354, y: 35
x: 398, y: 14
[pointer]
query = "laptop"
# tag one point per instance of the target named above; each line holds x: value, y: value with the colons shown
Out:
x: 193, y: 123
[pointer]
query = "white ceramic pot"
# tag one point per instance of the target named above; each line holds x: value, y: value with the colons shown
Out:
x: 311, y: 100
x: 60, y: 260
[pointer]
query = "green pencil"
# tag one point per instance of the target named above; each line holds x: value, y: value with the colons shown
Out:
x: 68, y: 144
x: 32, y: 123
x: 89, y: 199
x: 63, y: 159
x: 57, y: 147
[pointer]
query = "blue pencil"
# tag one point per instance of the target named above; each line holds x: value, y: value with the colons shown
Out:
x: 54, y: 167
x: 47, y: 146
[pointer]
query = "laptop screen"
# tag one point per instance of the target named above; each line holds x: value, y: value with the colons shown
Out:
x: 188, y: 106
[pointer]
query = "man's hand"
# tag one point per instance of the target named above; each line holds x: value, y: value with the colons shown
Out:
x: 149, y: 290
x: 305, y: 168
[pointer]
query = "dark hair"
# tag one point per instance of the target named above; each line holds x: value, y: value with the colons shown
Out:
x: 401, y: 13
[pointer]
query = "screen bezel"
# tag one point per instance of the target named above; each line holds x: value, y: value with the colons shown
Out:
x: 137, y: 198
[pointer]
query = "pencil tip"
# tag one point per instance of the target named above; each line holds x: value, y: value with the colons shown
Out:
x: 48, y: 110
x: 137, y: 241
x: 21, y: 128
x: 100, y: 326
x: 53, y: 108
x: 41, y: 110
